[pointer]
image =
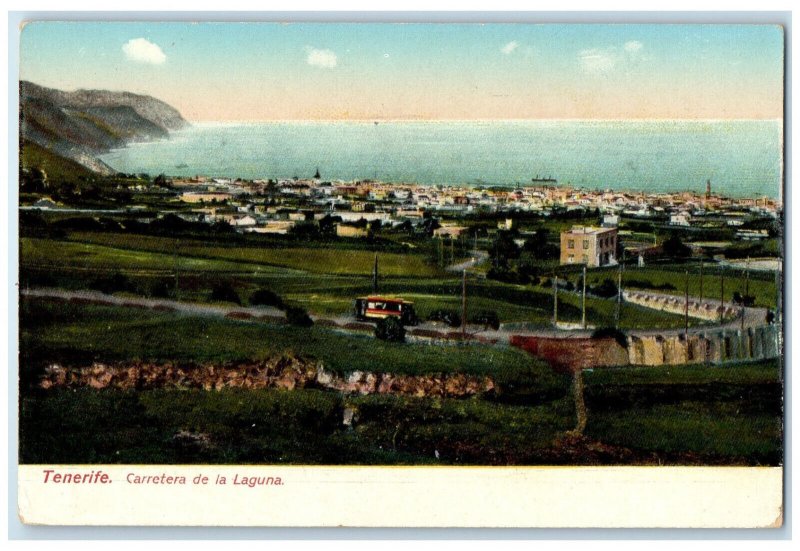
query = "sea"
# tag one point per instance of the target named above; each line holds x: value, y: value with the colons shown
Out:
x: 741, y: 158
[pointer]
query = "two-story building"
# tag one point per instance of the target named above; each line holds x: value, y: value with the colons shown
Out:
x: 589, y: 245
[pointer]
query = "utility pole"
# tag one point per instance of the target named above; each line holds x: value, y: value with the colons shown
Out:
x: 721, y: 292
x: 701, y: 282
x: 619, y: 298
x: 464, y: 304
x: 555, y: 301
x: 583, y: 300
x: 375, y: 275
x: 746, y: 290
x: 686, y: 309
x: 177, y: 270
x: 747, y: 277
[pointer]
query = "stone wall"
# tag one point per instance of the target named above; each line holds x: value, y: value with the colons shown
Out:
x: 717, y: 346
x: 708, y: 311
x: 571, y: 353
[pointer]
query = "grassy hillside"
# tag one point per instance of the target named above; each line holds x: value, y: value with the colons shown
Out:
x: 56, y: 167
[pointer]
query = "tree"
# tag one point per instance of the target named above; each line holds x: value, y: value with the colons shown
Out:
x: 674, y: 247
x: 162, y: 181
x: 298, y: 317
x: 502, y: 250
x: 390, y: 329
x: 224, y: 292
x: 327, y: 224
x: 266, y: 297
x: 487, y: 318
x: 606, y: 289
x: 450, y: 317
x: 429, y: 225
x: 33, y: 180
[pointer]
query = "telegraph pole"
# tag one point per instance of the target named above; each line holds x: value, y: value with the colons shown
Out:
x: 721, y: 292
x: 555, y: 301
x: 619, y: 298
x: 701, y: 282
x: 375, y: 275
x: 746, y: 290
x: 747, y: 277
x: 583, y: 300
x: 686, y: 309
x: 177, y: 270
x: 464, y: 304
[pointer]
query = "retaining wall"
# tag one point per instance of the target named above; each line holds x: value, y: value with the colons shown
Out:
x: 718, y: 346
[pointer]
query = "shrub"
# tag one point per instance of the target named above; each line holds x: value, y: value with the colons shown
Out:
x: 298, y: 317
x: 390, y: 329
x: 487, y: 318
x: 613, y: 332
x: 645, y: 284
x: 507, y: 276
x: 158, y: 288
x: 450, y: 317
x: 266, y: 297
x: 606, y: 289
x: 746, y: 300
x: 224, y: 292
x: 111, y: 284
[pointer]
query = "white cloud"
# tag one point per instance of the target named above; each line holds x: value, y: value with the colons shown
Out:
x: 633, y: 46
x: 142, y: 50
x: 597, y: 61
x: 510, y: 47
x: 320, y: 58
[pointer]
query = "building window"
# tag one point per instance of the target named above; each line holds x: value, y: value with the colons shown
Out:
x: 586, y: 259
x: 571, y: 258
x: 585, y: 243
x: 571, y: 244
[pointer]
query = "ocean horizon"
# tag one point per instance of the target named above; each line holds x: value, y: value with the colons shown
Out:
x: 742, y: 158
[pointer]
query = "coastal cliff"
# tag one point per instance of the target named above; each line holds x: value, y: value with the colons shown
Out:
x: 83, y: 124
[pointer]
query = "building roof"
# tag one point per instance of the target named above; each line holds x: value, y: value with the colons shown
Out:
x: 588, y: 230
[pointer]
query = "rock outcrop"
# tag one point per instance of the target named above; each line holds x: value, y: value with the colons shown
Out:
x: 285, y: 372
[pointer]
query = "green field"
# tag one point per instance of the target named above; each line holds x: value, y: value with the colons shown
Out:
x: 315, y: 260
x: 670, y: 415
x: 761, y: 285
x: 74, y: 264
x: 57, y: 168
x: 88, y: 332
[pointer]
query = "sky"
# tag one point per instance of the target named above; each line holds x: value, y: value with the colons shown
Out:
x: 318, y: 71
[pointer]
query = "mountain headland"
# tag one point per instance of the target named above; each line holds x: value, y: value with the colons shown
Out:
x: 83, y: 124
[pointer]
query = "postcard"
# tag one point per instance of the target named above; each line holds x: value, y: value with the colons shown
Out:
x: 386, y: 274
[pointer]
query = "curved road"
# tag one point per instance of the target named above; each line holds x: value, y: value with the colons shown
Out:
x: 753, y: 317
x: 478, y: 258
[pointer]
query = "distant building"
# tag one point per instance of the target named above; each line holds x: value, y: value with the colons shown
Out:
x: 610, y: 221
x: 589, y: 245
x: 452, y: 232
x: 204, y: 197
x: 680, y: 219
x: 507, y: 224
x: 242, y: 221
x: 346, y: 230
x: 281, y: 227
